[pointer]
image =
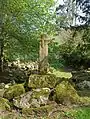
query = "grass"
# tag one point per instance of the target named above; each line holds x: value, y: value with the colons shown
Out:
x: 80, y: 113
x: 62, y: 74
x: 83, y: 113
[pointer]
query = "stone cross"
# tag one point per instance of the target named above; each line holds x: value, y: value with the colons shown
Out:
x: 43, y: 54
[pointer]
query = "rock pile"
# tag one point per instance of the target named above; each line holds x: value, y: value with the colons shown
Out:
x: 42, y: 91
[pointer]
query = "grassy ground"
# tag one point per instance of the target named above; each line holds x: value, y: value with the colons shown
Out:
x: 62, y: 74
x: 83, y: 113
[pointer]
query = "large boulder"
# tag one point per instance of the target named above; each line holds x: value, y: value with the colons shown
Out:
x: 14, y: 91
x: 4, y: 104
x: 65, y: 93
x: 34, y: 98
x: 42, y: 81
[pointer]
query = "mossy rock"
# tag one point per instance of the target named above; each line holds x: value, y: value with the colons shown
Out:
x: 40, y: 111
x: 66, y: 94
x: 2, y: 85
x: 4, y: 104
x: 22, y: 101
x: 85, y: 101
x: 34, y: 98
x: 14, y: 91
x: 42, y: 81
x: 40, y: 97
x: 2, y: 92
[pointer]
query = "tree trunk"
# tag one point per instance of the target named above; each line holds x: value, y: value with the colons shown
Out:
x: 1, y: 54
x: 2, y: 16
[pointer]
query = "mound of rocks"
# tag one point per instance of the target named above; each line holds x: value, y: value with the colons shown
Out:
x: 37, y: 99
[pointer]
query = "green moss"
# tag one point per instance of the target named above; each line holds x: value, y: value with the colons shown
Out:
x: 65, y: 93
x: 42, y: 81
x: 4, y: 104
x: 14, y: 91
x: 60, y: 73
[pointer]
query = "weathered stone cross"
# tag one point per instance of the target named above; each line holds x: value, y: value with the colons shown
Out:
x: 43, y: 54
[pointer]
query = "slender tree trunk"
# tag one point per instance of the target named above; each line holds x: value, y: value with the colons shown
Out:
x: 1, y: 54
x: 2, y: 16
x: 1, y: 47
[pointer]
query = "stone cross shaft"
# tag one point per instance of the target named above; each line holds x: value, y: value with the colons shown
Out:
x: 43, y: 54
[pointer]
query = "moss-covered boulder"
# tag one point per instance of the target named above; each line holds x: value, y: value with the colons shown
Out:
x: 14, y: 91
x: 42, y: 81
x: 34, y: 98
x: 66, y: 94
x: 4, y: 104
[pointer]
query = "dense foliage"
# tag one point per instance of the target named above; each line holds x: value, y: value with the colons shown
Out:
x: 23, y: 21
x: 21, y: 24
x: 74, y: 51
